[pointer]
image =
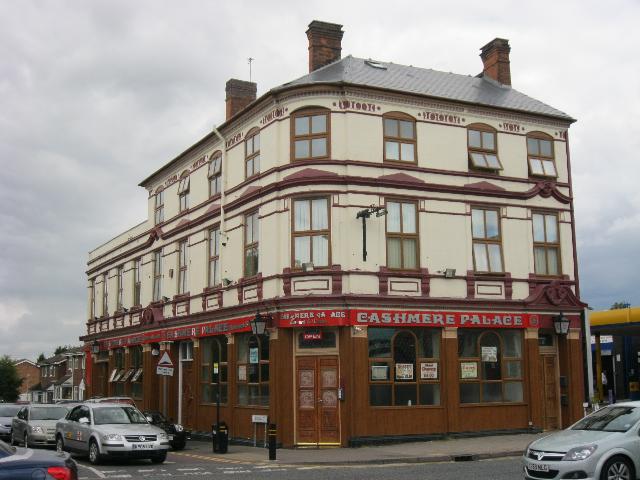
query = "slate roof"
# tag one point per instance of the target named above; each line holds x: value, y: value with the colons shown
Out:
x: 450, y: 86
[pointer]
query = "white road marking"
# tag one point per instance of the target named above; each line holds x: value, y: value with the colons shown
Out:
x: 98, y: 473
x: 188, y: 469
x: 238, y: 471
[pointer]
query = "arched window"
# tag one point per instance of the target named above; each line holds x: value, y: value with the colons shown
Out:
x: 252, y: 153
x: 183, y: 191
x: 483, y: 148
x: 404, y: 366
x: 253, y: 370
x: 214, y: 371
x: 399, y: 137
x: 215, y: 173
x: 310, y: 134
x: 159, y: 206
x: 540, y: 154
x: 490, y: 366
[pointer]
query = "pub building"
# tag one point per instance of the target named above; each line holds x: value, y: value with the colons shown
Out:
x: 369, y: 252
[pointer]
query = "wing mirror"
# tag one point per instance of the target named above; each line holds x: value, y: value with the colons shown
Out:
x: 149, y: 419
x: 84, y: 421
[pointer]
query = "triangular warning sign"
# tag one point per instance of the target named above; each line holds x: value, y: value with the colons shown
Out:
x: 165, y: 361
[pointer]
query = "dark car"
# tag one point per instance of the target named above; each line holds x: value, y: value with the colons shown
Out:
x: 27, y: 464
x: 177, y: 434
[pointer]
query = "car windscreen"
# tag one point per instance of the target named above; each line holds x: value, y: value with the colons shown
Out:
x: 9, y: 410
x: 610, y: 419
x: 117, y: 415
x: 48, y: 413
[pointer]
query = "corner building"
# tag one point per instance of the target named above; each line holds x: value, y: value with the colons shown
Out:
x: 410, y: 232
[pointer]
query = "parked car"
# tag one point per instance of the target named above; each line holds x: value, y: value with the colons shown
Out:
x: 177, y: 434
x: 111, y: 430
x: 125, y: 400
x: 36, y: 424
x: 7, y: 412
x: 603, y: 445
x: 28, y: 464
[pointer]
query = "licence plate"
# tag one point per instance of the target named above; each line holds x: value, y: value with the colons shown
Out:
x: 170, y: 437
x: 142, y: 446
x: 538, y: 467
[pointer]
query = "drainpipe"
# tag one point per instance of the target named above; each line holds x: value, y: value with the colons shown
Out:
x: 223, y: 188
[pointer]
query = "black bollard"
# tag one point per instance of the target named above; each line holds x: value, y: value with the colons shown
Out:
x: 272, y: 441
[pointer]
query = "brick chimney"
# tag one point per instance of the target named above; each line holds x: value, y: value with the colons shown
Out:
x: 325, y: 44
x: 239, y: 94
x: 495, y: 57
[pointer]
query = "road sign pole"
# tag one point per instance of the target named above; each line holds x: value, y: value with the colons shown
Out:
x: 164, y: 395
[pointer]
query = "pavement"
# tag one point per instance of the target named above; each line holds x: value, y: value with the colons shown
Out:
x: 456, y: 449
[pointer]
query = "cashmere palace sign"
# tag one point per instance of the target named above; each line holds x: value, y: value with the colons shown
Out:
x: 307, y: 318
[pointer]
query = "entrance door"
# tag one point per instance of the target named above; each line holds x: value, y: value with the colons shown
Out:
x: 318, y: 419
x: 551, y: 403
x: 188, y: 410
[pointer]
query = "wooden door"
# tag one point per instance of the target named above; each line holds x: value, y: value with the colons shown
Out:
x: 318, y: 419
x: 188, y: 395
x: 551, y: 400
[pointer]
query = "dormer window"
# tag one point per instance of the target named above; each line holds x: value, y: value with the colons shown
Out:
x: 183, y: 192
x: 483, y: 149
x: 541, y: 156
x: 159, y: 207
x: 215, y: 174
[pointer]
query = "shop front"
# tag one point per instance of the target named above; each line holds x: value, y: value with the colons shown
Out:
x: 347, y: 376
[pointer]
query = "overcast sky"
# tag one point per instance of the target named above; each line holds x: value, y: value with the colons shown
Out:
x: 96, y: 95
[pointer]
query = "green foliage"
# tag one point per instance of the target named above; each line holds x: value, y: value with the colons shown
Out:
x: 41, y: 358
x: 9, y: 380
x: 61, y: 349
x: 619, y: 305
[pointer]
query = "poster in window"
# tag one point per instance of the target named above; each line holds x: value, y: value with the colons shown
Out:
x: 404, y: 371
x: 429, y: 371
x: 242, y: 373
x: 253, y: 355
x: 469, y: 370
x: 379, y: 372
x: 489, y: 354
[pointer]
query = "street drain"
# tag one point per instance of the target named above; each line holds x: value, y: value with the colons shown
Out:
x: 464, y: 458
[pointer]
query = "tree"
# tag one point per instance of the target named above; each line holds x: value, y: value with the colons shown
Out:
x: 61, y: 349
x: 619, y: 305
x: 41, y: 358
x: 9, y: 380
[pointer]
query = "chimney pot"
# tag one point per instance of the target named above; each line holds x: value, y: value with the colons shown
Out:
x: 240, y: 93
x: 495, y: 58
x: 325, y: 44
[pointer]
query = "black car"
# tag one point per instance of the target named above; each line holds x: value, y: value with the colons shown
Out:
x: 177, y: 434
x: 27, y: 464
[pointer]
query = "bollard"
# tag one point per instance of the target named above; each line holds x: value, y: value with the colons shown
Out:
x: 214, y: 439
x: 223, y: 438
x: 272, y: 441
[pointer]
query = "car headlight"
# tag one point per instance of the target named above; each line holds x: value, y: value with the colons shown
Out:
x: 113, y: 437
x: 580, y: 453
x: 179, y: 427
x: 37, y: 429
x: 163, y: 436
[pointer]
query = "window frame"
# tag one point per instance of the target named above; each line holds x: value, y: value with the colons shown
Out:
x: 214, y: 257
x: 183, y: 267
x: 137, y: 282
x: 157, y: 275
x: 158, y: 214
x: 546, y: 245
x: 251, y: 138
x: 539, y: 137
x: 399, y: 117
x: 251, y: 246
x: 310, y: 113
x: 487, y: 241
x: 214, y: 173
x: 105, y: 294
x: 92, y: 299
x: 401, y: 235
x: 120, y: 289
x: 183, y: 192
x: 136, y: 355
x: 483, y: 128
x: 310, y: 233
x: 261, y: 383
x: 206, y: 368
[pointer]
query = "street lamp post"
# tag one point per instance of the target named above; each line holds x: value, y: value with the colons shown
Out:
x: 561, y: 324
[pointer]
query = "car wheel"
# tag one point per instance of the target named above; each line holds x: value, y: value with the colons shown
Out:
x: 26, y: 440
x: 94, y: 452
x: 618, y: 468
x: 159, y: 458
x: 59, y: 444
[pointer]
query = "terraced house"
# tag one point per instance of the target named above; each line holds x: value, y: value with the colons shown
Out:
x: 408, y: 234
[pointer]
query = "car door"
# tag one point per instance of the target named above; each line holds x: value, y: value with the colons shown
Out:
x: 18, y: 424
x: 82, y: 429
x: 68, y: 428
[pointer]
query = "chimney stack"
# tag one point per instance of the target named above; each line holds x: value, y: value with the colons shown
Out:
x: 495, y: 57
x: 239, y: 94
x: 325, y: 44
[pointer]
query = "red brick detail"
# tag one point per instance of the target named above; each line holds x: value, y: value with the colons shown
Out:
x: 425, y: 282
x: 286, y: 281
x: 471, y: 284
x: 239, y: 94
x: 508, y: 286
x: 325, y: 44
x: 336, y: 279
x: 495, y: 58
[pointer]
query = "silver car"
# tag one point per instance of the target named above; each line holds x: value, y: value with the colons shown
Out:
x: 7, y: 412
x: 113, y: 430
x: 36, y: 424
x: 602, y: 446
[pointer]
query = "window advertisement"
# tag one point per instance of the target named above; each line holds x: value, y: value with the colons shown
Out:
x: 429, y: 371
x: 404, y: 371
x: 490, y: 354
x: 468, y: 370
x: 253, y: 355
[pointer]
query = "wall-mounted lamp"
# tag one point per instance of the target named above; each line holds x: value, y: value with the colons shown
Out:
x: 226, y: 282
x: 165, y: 299
x: 125, y: 310
x: 171, y: 273
x: 448, y: 272
x: 307, y: 267
x: 561, y: 324
x: 364, y: 214
x: 155, y: 349
x: 260, y: 323
x: 95, y: 347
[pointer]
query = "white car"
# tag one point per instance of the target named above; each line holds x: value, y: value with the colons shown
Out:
x: 602, y: 446
x: 113, y: 430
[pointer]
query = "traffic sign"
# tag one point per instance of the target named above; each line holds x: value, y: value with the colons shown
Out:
x: 165, y: 365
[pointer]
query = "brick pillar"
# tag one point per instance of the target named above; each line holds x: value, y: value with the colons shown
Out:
x: 450, y: 383
x: 532, y: 381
